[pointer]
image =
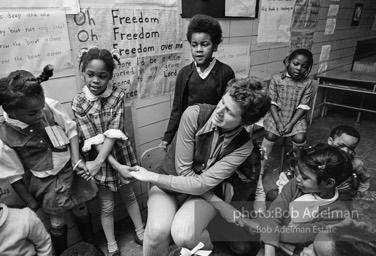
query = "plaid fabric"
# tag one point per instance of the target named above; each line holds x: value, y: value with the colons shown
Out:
x: 288, y: 94
x: 96, y: 117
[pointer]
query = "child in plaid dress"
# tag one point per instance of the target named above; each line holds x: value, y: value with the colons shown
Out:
x: 290, y: 92
x: 99, y: 110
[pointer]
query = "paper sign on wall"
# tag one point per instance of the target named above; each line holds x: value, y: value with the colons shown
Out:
x: 237, y: 56
x: 306, y: 14
x: 330, y: 26
x: 32, y: 39
x: 333, y: 10
x: 275, y: 20
x: 301, y: 39
x: 240, y: 8
x: 70, y: 6
x: 169, y: 3
x: 323, y: 66
x: 325, y: 52
x: 149, y: 41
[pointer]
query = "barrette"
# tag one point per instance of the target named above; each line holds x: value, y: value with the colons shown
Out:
x: 322, y: 167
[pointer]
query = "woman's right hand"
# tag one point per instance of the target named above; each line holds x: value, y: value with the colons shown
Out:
x: 142, y: 174
x: 125, y: 171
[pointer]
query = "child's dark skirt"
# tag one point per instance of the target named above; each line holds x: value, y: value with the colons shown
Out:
x: 61, y: 192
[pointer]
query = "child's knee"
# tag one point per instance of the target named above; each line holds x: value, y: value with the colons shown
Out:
x: 57, y: 222
x: 127, y: 194
x: 271, y: 195
x: 299, y: 138
x: 80, y: 210
x: 271, y: 137
x: 107, y: 207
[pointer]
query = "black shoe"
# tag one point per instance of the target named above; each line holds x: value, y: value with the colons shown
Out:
x: 137, y: 240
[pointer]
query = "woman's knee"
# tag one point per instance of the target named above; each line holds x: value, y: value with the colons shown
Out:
x: 299, y: 138
x: 156, y: 233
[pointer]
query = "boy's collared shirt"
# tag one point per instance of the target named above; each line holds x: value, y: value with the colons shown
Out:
x: 207, y: 71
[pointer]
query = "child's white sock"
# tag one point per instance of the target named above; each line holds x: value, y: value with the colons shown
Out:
x: 112, y: 247
x: 140, y: 232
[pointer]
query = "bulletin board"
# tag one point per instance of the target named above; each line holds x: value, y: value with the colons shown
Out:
x: 214, y: 8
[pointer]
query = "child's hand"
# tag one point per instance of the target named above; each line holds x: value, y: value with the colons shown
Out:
x: 125, y: 170
x: 93, y: 167
x: 164, y: 145
x: 142, y: 174
x: 280, y: 128
x: 288, y: 128
x: 81, y: 170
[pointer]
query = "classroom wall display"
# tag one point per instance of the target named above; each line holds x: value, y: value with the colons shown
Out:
x: 306, y: 14
x: 31, y: 39
x: 275, y: 21
x: 301, y: 39
x: 357, y: 13
x: 240, y: 8
x: 151, y: 53
x: 70, y: 6
x: 330, y: 26
x: 168, y: 3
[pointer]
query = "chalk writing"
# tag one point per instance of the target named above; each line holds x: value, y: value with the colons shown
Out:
x: 32, y: 39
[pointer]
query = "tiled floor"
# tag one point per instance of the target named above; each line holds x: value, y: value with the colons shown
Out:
x: 318, y: 132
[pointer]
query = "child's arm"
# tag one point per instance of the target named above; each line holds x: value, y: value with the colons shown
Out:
x: 39, y: 236
x: 22, y: 191
x: 302, y: 108
x: 363, y: 175
x: 12, y: 170
x: 274, y: 107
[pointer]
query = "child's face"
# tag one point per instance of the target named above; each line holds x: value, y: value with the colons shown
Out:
x: 227, y: 114
x: 345, y: 142
x: 307, y: 180
x: 31, y: 114
x: 202, y: 49
x: 322, y: 246
x: 298, y: 67
x: 97, y: 76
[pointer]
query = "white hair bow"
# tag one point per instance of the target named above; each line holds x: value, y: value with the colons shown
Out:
x: 195, y: 251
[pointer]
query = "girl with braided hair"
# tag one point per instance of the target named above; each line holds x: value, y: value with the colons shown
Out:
x: 39, y: 139
x: 99, y: 111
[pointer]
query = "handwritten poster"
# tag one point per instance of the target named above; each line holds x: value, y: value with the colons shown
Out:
x: 325, y: 52
x: 323, y: 66
x: 149, y: 41
x: 237, y: 56
x: 275, y: 20
x: 32, y: 39
x: 240, y: 8
x: 149, y: 2
x: 306, y: 13
x: 301, y: 39
x: 70, y: 6
x: 330, y: 26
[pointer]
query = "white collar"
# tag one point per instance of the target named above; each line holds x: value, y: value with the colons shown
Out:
x: 207, y: 71
x: 92, y: 97
x: 14, y: 122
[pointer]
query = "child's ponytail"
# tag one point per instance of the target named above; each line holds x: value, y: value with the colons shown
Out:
x: 47, y: 72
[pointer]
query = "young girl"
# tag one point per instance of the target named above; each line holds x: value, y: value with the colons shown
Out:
x: 205, y: 79
x: 310, y: 201
x: 99, y: 110
x: 352, y: 238
x: 39, y: 138
x: 290, y: 92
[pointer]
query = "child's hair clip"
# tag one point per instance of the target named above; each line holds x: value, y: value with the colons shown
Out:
x: 116, y: 55
x: 82, y: 52
x: 322, y: 167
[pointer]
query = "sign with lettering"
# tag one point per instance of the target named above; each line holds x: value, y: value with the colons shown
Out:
x: 301, y: 39
x: 149, y: 41
x: 70, y: 6
x: 275, y: 20
x: 306, y: 14
x: 32, y: 39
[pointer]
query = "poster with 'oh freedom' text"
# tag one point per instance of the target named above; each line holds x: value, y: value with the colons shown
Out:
x: 149, y: 42
x: 275, y: 20
x: 32, y: 39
